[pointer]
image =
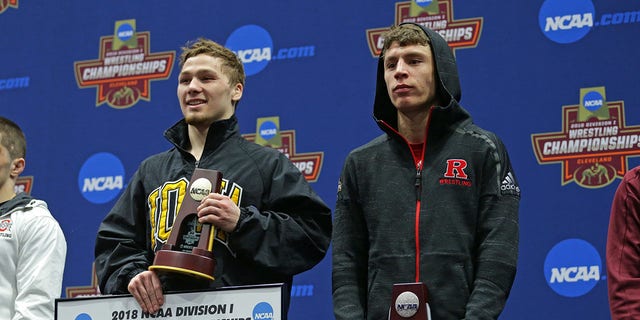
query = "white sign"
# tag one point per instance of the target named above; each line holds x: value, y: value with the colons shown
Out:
x: 243, y: 303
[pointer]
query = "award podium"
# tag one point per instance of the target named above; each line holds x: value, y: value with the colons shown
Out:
x: 409, y: 301
x: 189, y: 250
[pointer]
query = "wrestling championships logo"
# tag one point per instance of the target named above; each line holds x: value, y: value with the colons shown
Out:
x: 433, y: 14
x: 268, y: 134
x: 85, y: 291
x: 23, y: 184
x: 594, y: 143
x: 5, y: 4
x: 125, y: 67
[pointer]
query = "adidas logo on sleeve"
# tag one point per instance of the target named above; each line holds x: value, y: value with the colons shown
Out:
x: 509, y: 185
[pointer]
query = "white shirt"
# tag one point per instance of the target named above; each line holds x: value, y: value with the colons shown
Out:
x: 32, y: 257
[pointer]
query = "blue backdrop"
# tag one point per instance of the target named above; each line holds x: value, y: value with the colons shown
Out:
x: 556, y: 79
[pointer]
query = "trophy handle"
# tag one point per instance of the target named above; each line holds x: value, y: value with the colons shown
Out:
x: 207, y: 235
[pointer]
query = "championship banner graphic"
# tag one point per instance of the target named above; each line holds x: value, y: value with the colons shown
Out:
x: 268, y: 134
x: 23, y: 184
x: 5, y: 4
x: 85, y: 291
x: 433, y: 14
x: 594, y: 143
x: 125, y: 67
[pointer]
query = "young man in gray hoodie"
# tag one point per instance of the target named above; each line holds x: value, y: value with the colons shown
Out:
x: 433, y: 200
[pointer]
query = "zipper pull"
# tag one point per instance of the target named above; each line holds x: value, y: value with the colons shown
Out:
x: 418, y: 183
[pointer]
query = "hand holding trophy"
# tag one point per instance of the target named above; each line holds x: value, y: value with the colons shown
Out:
x: 189, y: 249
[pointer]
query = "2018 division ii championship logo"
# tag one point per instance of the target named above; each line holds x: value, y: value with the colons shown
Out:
x: 268, y: 134
x: 5, y: 4
x: 125, y: 67
x: 433, y: 14
x: 23, y: 184
x: 594, y: 143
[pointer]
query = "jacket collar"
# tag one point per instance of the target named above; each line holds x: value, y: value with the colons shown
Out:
x: 219, y: 131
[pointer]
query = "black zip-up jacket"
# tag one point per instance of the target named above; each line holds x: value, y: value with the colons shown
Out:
x: 284, y: 227
x: 452, y: 224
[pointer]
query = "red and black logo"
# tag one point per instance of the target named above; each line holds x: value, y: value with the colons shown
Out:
x: 6, y: 4
x: 437, y: 15
x: 594, y: 143
x: 23, y: 184
x: 125, y: 67
x: 308, y: 163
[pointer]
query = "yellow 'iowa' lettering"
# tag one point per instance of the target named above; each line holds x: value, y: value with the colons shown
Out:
x: 164, y: 205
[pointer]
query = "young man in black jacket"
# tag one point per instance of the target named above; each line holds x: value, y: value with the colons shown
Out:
x: 270, y: 224
x: 433, y: 200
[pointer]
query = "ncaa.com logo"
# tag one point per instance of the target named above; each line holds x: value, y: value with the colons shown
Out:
x: 254, y: 46
x: 572, y: 268
x: 14, y: 83
x: 101, y: 178
x: 567, y: 21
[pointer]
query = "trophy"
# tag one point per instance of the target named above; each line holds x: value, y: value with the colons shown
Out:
x: 409, y: 301
x: 189, y: 249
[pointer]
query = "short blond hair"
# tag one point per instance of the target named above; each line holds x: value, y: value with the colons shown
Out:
x: 231, y: 64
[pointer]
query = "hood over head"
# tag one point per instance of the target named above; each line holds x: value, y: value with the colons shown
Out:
x: 447, y: 82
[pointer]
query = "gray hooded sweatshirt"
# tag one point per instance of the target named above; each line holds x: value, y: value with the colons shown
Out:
x: 451, y: 223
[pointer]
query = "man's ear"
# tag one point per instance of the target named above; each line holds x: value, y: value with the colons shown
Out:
x: 17, y: 166
x: 237, y: 92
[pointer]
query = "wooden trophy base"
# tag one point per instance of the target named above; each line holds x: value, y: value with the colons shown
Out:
x: 409, y: 301
x: 184, y: 263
